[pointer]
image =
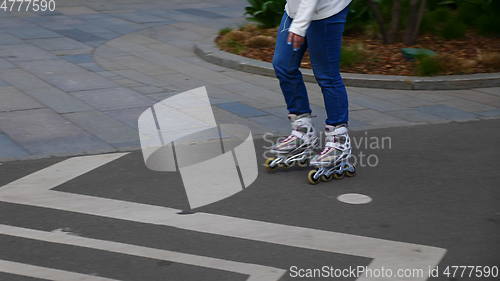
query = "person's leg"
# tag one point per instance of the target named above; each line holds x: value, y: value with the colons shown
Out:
x: 286, y: 64
x: 324, y: 38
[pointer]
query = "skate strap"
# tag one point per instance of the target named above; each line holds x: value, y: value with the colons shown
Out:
x: 297, y: 134
x: 332, y: 144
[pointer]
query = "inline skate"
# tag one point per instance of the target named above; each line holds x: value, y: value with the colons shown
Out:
x: 334, y: 161
x: 297, y: 148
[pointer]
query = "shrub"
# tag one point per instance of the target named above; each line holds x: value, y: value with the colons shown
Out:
x: 250, y: 28
x: 451, y: 64
x: 444, y: 22
x: 481, y: 14
x: 225, y: 31
x: 428, y: 65
x: 350, y: 55
x: 231, y: 45
x: 488, y: 25
x: 267, y: 13
x: 453, y: 29
x: 358, y: 17
x: 491, y: 60
x: 260, y: 41
x: 237, y: 35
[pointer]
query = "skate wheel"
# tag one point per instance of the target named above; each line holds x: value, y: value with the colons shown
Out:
x: 283, y: 166
x: 268, y: 162
x: 350, y: 174
x: 303, y: 163
x: 310, y: 177
x: 338, y: 176
x: 325, y: 178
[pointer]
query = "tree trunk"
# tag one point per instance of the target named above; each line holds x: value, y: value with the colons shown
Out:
x: 380, y: 20
x: 395, y: 18
x: 416, y: 13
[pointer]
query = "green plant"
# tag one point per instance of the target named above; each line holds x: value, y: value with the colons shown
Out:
x: 225, y: 31
x: 453, y: 28
x: 350, y: 55
x: 260, y: 41
x: 358, y: 17
x: 428, y: 65
x: 481, y: 14
x: 445, y: 22
x: 267, y: 13
x: 232, y: 46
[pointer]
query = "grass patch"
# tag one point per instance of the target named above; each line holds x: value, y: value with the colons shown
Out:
x: 428, y: 65
x: 225, y: 31
x: 232, y: 46
x: 350, y: 55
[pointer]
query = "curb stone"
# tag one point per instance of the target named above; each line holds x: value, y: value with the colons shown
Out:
x: 208, y: 51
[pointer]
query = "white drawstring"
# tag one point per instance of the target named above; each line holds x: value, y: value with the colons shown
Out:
x: 284, y: 25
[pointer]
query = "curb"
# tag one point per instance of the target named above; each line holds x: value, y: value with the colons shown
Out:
x: 210, y: 53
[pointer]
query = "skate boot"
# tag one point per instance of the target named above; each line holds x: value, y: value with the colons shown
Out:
x: 297, y: 148
x: 334, y: 161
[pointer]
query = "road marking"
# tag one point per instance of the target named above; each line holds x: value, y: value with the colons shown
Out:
x: 256, y: 272
x: 354, y: 198
x: 46, y: 273
x: 35, y: 190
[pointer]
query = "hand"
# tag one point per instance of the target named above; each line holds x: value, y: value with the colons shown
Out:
x: 295, y: 40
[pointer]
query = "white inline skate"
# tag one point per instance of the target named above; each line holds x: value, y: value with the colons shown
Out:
x: 296, y: 149
x: 334, y: 161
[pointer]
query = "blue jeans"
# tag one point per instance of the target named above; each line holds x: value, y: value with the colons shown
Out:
x: 323, y: 40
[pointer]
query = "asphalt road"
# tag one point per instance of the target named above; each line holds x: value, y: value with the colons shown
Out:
x: 436, y: 185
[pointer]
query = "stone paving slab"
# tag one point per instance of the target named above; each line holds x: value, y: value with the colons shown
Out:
x: 379, y: 119
x: 48, y: 66
x: 79, y: 35
x: 106, y: 128
x: 78, y: 79
x: 43, y: 132
x: 127, y: 116
x: 276, y: 125
x: 58, y: 100
x: 447, y: 112
x: 93, y: 67
x: 79, y: 58
x: 12, y: 99
x: 33, y: 32
x: 7, y: 39
x: 76, y: 10
x: 54, y: 44
x: 483, y: 97
x: 4, y: 64
x: 113, y: 98
x: 414, y: 115
x: 467, y: 105
x: 23, y: 80
x: 4, y: 84
x: 241, y: 109
x: 23, y: 52
x: 10, y: 150
x: 141, y: 18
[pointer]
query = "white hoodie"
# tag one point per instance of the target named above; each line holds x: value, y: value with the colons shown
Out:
x: 305, y: 11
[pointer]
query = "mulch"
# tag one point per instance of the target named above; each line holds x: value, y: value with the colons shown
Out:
x: 388, y: 59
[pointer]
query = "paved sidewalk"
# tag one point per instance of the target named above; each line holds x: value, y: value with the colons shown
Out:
x: 76, y: 80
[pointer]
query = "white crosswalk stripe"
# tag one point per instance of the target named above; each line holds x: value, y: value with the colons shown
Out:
x: 46, y: 273
x: 35, y: 190
x: 255, y: 272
